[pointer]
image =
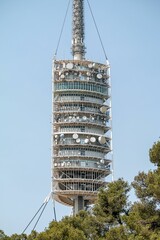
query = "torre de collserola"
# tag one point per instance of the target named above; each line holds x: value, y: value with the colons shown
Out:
x: 81, y: 130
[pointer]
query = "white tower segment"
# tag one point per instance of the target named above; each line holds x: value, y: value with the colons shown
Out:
x: 81, y: 123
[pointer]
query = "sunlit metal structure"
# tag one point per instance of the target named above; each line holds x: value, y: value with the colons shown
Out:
x: 81, y: 140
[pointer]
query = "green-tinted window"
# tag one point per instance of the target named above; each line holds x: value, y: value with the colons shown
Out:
x: 79, y: 85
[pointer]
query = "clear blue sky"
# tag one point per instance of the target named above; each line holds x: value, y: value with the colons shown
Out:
x: 29, y: 32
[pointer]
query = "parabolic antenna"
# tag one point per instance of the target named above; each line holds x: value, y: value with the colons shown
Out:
x: 103, y: 109
x: 90, y: 65
x: 84, y: 118
x: 62, y: 76
x: 102, y: 161
x: 86, y: 140
x: 69, y: 65
x: 75, y: 136
x: 99, y: 76
x: 93, y: 139
x: 78, y: 140
x: 102, y: 140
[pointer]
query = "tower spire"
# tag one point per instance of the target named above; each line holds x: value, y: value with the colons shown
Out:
x: 78, y: 48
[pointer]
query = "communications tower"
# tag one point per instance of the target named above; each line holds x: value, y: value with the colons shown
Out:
x: 81, y: 130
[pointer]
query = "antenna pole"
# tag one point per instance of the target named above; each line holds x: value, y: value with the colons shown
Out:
x: 78, y: 48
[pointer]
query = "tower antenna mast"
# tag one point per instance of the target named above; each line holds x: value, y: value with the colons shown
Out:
x: 78, y: 47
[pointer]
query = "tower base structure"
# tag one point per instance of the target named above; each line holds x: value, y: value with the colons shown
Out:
x: 78, y: 204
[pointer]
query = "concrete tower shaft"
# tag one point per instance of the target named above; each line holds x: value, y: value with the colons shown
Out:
x: 78, y: 48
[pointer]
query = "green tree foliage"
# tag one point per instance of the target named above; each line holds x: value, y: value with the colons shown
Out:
x: 18, y: 237
x: 3, y: 236
x: 113, y: 203
x: 154, y: 153
x: 92, y: 226
x: 59, y: 231
x: 33, y: 235
x: 15, y: 236
x: 144, y: 217
x: 117, y: 233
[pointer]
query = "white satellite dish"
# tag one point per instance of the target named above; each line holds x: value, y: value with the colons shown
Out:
x: 62, y: 76
x: 93, y: 139
x: 102, y: 161
x: 75, y: 136
x: 99, y: 76
x: 86, y: 140
x: 78, y: 140
x: 84, y: 118
x: 102, y: 140
x: 62, y: 135
x: 88, y: 74
x: 56, y: 136
x: 69, y: 65
x: 103, y: 109
x: 90, y: 65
